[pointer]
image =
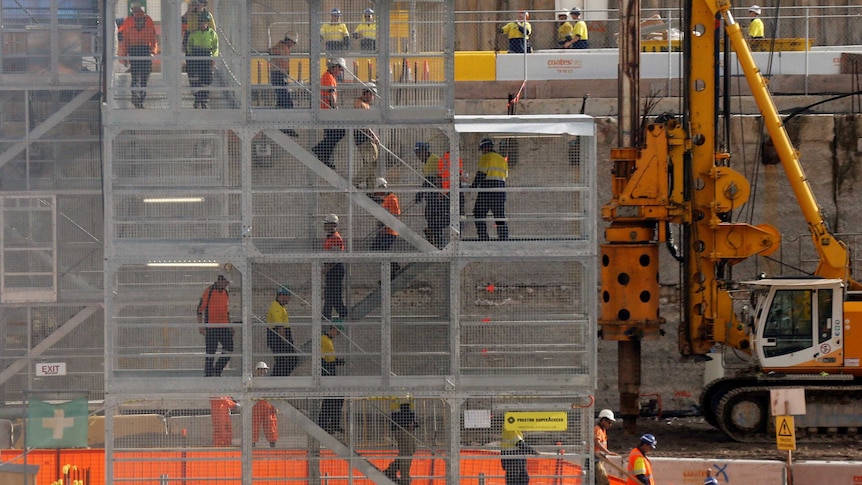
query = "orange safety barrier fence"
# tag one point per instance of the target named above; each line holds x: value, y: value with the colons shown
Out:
x: 203, y: 467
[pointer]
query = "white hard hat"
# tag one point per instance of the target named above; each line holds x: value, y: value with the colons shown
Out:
x: 607, y: 414
x: 562, y: 12
x: 338, y: 61
x: 755, y: 9
x: 380, y: 183
x: 261, y: 365
x: 331, y: 219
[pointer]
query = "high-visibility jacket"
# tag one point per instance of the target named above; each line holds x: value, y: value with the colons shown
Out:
x: 263, y: 414
x: 131, y: 36
x: 580, y: 30
x: 494, y: 166
x: 518, y: 30
x: 277, y: 315
x: 564, y: 33
x: 390, y: 203
x: 755, y: 29
x: 334, y: 32
x: 213, y: 306
x: 366, y: 31
x: 443, y: 170
x: 510, y: 438
x: 639, y: 464
x: 220, y: 412
x: 328, y: 91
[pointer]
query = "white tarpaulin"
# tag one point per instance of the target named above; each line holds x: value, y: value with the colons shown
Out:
x: 578, y: 125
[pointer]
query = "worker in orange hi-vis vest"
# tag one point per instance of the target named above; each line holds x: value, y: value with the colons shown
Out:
x: 639, y: 467
x: 263, y: 414
x: 220, y: 408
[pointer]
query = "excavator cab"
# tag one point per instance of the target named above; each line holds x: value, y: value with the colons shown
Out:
x: 798, y: 324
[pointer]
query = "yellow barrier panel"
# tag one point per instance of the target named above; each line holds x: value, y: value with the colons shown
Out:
x: 469, y: 66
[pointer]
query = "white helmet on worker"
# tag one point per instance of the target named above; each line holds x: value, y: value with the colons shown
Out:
x: 261, y: 365
x: 754, y: 9
x: 576, y: 12
x: 710, y: 481
x: 370, y: 88
x: 380, y: 183
x: 607, y: 414
x: 330, y: 219
x: 562, y: 13
x: 338, y: 61
x: 486, y: 143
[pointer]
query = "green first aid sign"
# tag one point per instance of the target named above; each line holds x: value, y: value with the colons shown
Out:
x: 536, y: 421
x: 57, y: 425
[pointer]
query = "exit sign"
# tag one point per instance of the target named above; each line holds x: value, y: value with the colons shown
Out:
x: 51, y: 369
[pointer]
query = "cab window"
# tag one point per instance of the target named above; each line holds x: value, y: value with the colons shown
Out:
x: 789, y: 322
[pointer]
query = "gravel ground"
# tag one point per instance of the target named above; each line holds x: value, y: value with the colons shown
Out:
x: 694, y: 438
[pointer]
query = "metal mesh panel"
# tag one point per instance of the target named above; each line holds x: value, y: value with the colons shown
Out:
x: 522, y: 318
x: 553, y: 453
x: 536, y: 207
x: 204, y: 438
x: 33, y: 335
x: 286, y: 174
x: 156, y: 332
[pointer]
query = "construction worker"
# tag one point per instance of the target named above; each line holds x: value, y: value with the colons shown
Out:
x: 600, y: 434
x: 755, y: 28
x: 279, y: 338
x: 518, y: 33
x: 220, y: 408
x: 513, y: 457
x: 330, y: 409
x: 564, y: 30
x: 263, y: 414
x: 202, y: 45
x: 190, y: 19
x: 639, y: 467
x: 403, y: 426
x: 366, y: 32
x: 334, y: 34
x: 138, y: 39
x: 580, y: 33
x: 436, y: 203
x: 333, y: 285
x: 329, y: 100
x: 279, y: 72
x: 492, y: 174
x: 214, y: 315
x: 385, y: 236
x: 367, y: 142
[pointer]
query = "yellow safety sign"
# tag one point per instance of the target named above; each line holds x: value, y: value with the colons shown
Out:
x: 535, y: 421
x: 785, y: 433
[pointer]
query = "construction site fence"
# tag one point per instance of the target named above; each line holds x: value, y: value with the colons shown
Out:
x: 199, y: 467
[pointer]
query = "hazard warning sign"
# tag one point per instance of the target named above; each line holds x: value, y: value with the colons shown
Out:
x: 785, y: 433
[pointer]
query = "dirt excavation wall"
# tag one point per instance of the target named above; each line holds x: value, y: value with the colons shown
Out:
x: 829, y: 147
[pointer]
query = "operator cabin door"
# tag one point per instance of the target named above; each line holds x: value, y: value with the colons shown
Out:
x: 802, y: 327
